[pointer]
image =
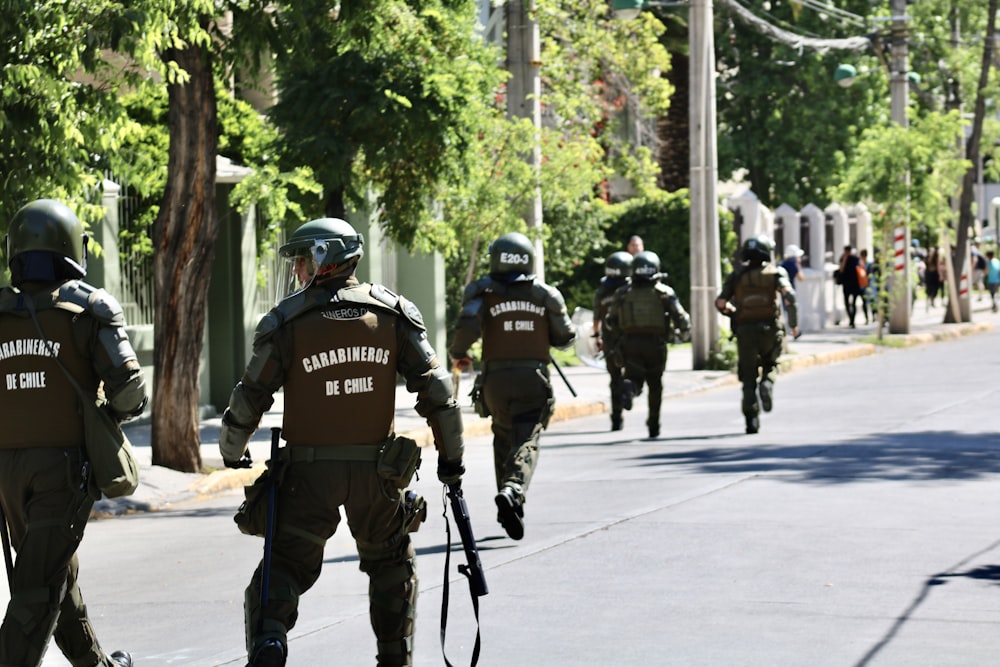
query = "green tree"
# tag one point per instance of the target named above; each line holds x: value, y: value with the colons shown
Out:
x: 58, y: 103
x: 904, y: 175
x: 782, y: 118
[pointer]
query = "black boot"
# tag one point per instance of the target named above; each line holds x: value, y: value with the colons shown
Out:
x: 121, y: 659
x: 628, y: 393
x: 766, y: 395
x: 271, y: 653
x: 616, y: 422
x: 510, y: 513
x: 753, y: 424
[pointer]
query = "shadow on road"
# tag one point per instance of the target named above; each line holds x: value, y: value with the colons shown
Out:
x: 923, y: 456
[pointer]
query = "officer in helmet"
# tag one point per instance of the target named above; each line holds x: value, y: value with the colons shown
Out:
x: 335, y: 346
x: 52, y: 323
x: 649, y: 315
x: 751, y: 297
x: 519, y: 318
x: 617, y: 270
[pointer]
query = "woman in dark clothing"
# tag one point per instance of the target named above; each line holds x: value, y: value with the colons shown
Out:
x: 849, y: 281
x: 932, y: 276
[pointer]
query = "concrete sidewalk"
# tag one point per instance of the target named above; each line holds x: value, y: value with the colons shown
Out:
x: 160, y: 487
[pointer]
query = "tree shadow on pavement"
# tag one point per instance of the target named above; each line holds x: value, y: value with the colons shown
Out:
x: 983, y: 572
x: 919, y: 456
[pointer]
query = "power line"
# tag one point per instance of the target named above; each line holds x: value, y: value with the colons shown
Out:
x: 793, y: 40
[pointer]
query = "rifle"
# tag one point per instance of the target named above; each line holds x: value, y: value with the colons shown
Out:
x: 563, y: 376
x: 472, y: 569
x: 265, y: 570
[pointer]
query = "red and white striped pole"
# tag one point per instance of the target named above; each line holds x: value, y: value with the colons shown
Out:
x: 899, y: 247
x: 899, y: 300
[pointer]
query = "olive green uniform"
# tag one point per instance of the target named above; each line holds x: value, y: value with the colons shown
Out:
x: 647, y: 313
x: 756, y: 292
x: 44, y: 486
x: 518, y: 321
x: 603, y: 298
x: 336, y: 348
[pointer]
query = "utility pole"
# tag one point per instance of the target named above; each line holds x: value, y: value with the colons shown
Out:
x: 704, y: 225
x: 524, y: 92
x: 899, y: 91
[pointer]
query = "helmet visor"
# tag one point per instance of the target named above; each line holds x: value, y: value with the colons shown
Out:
x: 294, y: 273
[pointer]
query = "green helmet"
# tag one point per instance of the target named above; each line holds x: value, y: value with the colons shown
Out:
x: 618, y: 265
x: 46, y: 242
x: 646, y: 266
x: 512, y: 256
x: 757, y: 249
x: 328, y: 241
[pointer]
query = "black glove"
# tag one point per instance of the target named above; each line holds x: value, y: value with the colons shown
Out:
x: 244, y: 462
x: 450, y: 472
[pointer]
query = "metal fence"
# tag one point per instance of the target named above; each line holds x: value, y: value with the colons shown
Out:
x: 135, y: 261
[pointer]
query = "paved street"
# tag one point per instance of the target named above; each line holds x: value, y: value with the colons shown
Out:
x: 858, y: 528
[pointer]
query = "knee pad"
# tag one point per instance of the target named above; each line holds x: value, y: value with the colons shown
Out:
x: 36, y: 611
x: 392, y: 590
x: 281, y: 599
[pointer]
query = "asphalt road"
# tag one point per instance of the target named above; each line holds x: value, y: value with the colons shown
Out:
x: 859, y: 527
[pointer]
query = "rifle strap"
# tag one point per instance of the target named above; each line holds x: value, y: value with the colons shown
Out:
x: 8, y: 558
x: 444, y: 595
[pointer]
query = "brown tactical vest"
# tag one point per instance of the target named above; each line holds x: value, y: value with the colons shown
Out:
x: 756, y: 296
x: 39, y: 407
x: 341, y: 387
x: 514, y: 328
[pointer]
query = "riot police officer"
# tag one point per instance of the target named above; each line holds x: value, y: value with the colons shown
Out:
x: 751, y: 296
x: 617, y: 270
x: 649, y: 315
x: 51, y: 317
x: 519, y: 318
x: 336, y: 346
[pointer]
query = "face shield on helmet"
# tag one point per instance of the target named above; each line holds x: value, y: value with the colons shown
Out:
x: 319, y: 249
x: 512, y: 258
x: 46, y: 243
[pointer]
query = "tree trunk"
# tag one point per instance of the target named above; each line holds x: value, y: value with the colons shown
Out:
x: 672, y: 130
x: 184, y: 237
x: 965, y: 220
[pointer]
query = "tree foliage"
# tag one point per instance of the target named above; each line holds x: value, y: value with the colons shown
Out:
x: 782, y: 118
x: 59, y: 109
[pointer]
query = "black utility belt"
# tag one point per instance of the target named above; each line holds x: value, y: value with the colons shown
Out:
x: 299, y: 454
x: 515, y: 363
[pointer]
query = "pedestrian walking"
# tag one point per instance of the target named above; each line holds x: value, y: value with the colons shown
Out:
x: 519, y: 318
x: 752, y: 297
x: 851, y: 287
x: 52, y: 324
x: 992, y: 277
x: 649, y: 315
x: 617, y: 271
x: 792, y: 262
x: 336, y: 346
